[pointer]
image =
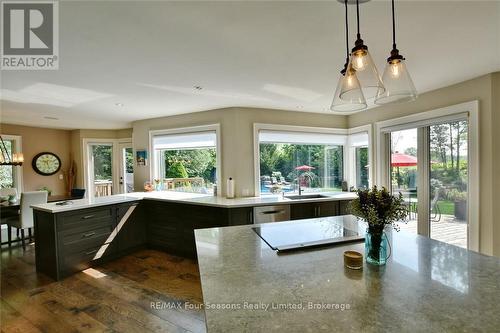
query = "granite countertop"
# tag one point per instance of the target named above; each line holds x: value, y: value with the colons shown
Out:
x: 52, y: 207
x: 189, y: 198
x: 426, y: 286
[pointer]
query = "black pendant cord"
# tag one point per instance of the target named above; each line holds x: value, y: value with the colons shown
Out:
x: 393, y: 27
x: 357, y: 17
x: 346, y: 32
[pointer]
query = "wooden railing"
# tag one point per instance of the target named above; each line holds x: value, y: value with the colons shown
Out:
x: 103, y: 188
x: 177, y: 183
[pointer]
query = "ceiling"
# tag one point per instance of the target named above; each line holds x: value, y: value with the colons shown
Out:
x: 122, y: 61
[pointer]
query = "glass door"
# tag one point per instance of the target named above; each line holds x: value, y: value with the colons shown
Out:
x: 429, y: 165
x: 449, y: 168
x: 126, y: 181
x: 404, y: 172
x: 100, y: 180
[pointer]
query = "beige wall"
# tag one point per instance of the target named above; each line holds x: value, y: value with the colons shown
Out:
x: 482, y: 89
x: 236, y: 137
x: 36, y: 140
x: 496, y: 160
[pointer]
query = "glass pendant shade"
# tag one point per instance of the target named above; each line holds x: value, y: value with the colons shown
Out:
x: 398, y: 84
x: 367, y: 73
x: 348, y: 95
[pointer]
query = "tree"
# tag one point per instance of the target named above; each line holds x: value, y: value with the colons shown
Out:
x: 438, y: 142
x: 412, y: 151
x: 176, y: 170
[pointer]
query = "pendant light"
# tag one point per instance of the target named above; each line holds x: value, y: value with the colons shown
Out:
x: 353, y: 99
x: 366, y: 71
x: 398, y: 83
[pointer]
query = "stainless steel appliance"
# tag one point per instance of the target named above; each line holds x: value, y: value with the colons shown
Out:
x: 266, y: 214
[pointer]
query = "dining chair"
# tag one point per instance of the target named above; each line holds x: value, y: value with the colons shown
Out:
x: 6, y: 192
x: 25, y: 218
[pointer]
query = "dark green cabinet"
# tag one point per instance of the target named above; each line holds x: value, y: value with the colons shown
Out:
x: 130, y: 227
x: 72, y: 241
x: 314, y: 209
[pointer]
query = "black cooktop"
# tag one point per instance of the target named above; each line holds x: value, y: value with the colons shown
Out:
x: 303, y: 234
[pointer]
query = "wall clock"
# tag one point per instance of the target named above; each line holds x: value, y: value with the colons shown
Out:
x: 46, y: 163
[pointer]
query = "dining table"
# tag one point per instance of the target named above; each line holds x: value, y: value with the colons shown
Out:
x: 11, y: 208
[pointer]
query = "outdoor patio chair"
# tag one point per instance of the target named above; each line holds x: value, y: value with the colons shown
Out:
x: 435, y: 210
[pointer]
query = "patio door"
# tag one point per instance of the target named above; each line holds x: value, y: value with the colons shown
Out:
x: 100, y: 169
x: 126, y: 180
x: 429, y: 165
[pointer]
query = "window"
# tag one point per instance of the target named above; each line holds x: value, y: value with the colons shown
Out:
x: 359, y: 159
x: 362, y: 166
x: 11, y: 176
x: 185, y: 161
x: 287, y: 159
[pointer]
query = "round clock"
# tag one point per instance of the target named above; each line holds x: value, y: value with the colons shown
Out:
x: 46, y: 163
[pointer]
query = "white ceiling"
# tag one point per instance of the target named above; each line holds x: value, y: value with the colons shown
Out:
x: 149, y: 56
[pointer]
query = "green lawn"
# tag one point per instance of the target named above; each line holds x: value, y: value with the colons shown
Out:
x: 446, y: 207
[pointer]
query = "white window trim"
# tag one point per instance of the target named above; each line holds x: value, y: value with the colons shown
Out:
x: 186, y: 130
x: 427, y: 118
x: 116, y: 161
x: 257, y: 127
x: 18, y: 144
x: 349, y: 153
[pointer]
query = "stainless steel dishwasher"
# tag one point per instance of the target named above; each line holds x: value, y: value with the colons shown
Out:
x: 266, y: 214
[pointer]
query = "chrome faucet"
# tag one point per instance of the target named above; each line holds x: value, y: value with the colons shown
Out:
x: 300, y: 188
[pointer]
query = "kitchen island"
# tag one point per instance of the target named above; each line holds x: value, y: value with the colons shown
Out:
x: 426, y: 286
x: 87, y: 232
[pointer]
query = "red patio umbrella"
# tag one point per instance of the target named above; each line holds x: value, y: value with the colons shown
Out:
x: 304, y: 168
x: 403, y: 160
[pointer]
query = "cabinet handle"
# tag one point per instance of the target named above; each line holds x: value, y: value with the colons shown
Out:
x: 250, y: 217
x: 86, y: 217
x: 91, y: 252
x: 88, y: 234
x: 319, y: 211
x: 273, y: 212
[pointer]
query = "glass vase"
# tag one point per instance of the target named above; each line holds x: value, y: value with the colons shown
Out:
x: 376, y: 247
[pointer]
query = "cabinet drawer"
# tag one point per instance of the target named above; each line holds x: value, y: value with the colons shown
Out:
x: 76, y: 219
x: 78, y: 261
x: 78, y: 240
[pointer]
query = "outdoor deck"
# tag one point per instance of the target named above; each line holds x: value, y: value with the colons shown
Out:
x: 448, y: 230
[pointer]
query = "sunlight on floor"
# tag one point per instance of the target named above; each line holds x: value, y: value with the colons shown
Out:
x: 94, y: 273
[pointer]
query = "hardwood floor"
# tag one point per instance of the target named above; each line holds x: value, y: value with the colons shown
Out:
x: 119, y: 296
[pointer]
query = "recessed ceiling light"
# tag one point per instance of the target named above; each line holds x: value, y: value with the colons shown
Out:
x: 119, y: 104
x: 51, y: 118
x: 198, y: 87
x: 300, y: 106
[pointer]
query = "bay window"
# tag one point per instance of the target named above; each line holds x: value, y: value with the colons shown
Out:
x: 185, y: 160
x: 317, y: 160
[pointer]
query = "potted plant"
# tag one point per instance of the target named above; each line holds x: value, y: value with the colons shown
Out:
x: 378, y: 208
x: 460, y: 201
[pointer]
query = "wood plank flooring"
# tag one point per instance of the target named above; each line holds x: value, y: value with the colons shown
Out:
x: 114, y: 297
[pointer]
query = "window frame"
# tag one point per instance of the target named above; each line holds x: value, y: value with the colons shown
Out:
x: 187, y: 130
x: 18, y: 173
x: 469, y: 110
x: 257, y: 127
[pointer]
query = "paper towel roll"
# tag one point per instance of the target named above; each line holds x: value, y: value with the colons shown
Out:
x: 230, y: 188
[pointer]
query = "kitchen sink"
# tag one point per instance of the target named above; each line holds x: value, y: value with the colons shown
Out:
x: 306, y: 196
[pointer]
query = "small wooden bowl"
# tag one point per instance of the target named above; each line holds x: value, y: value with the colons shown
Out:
x: 353, y: 260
